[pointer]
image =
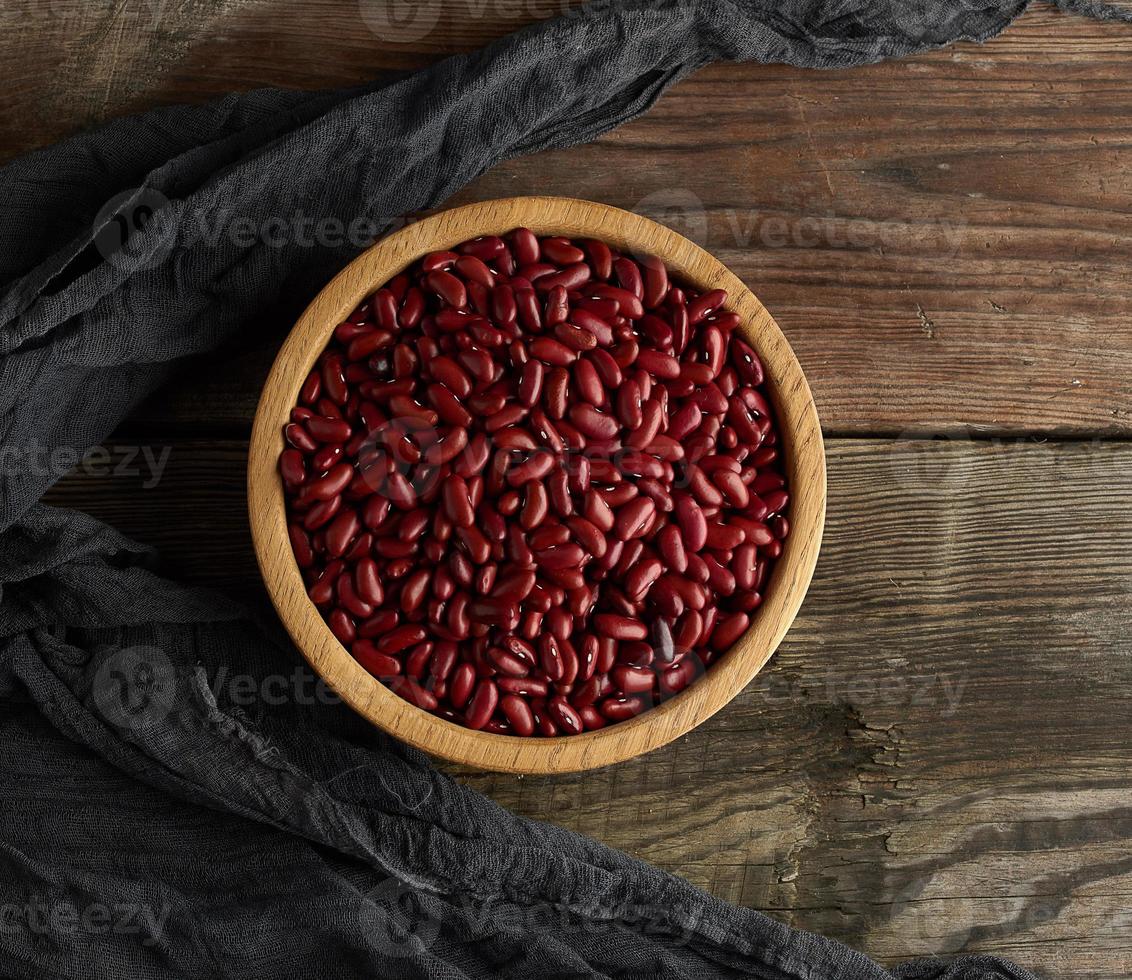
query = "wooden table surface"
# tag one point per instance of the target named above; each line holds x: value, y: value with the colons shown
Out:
x: 939, y: 757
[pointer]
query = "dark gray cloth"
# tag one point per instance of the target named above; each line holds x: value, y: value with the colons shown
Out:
x: 153, y: 823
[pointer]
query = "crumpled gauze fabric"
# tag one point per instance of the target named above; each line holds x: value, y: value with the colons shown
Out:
x: 149, y: 826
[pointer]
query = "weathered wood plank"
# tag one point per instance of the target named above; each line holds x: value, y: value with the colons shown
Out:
x: 72, y: 63
x: 938, y: 757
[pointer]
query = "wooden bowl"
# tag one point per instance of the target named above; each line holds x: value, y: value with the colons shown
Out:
x: 798, y: 428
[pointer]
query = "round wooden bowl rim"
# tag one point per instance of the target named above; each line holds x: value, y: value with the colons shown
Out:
x: 798, y: 427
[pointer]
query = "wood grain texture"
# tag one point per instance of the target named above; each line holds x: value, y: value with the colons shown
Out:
x: 936, y: 759
x: 797, y: 425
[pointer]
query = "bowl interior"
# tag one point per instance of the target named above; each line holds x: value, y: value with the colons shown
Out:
x: 798, y: 427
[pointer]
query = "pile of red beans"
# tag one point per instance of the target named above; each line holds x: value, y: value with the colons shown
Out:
x: 534, y: 485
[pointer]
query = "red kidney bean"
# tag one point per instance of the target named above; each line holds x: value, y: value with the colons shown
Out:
x: 293, y: 468
x: 438, y: 260
x: 588, y: 535
x: 628, y: 304
x: 567, y: 555
x: 528, y: 311
x: 652, y: 417
x: 546, y: 726
x: 559, y: 490
x: 298, y: 437
x: 575, y: 337
x: 587, y: 383
x: 776, y: 500
x: 557, y: 306
x: 571, y: 277
x: 450, y: 374
x: 379, y: 623
x: 378, y: 664
x: 418, y: 660
x: 665, y: 645
x: 327, y: 429
x: 334, y: 379
x: 641, y: 577
x: 515, y: 587
x: 670, y: 542
x: 311, y: 389
x: 401, y: 638
x: 621, y: 708
x: 301, y: 545
x: 564, y: 715
x: 518, y: 713
x: 606, y: 655
x: 494, y: 612
x: 685, y: 421
x: 530, y: 383
x: 415, y: 591
x: 633, y: 680
x: 591, y: 718
x: 486, y: 247
x: 607, y: 368
x: 592, y: 422
x: 550, y: 657
x: 593, y: 324
x: 526, y: 687
x: 702, y: 306
x: 553, y: 352
x: 659, y: 364
x: 507, y: 663
x: 587, y: 693
x: 443, y: 660
x: 367, y: 582
x: 598, y: 512
x: 600, y: 257
x: 629, y: 404
x: 633, y: 518
x: 536, y: 467
x: 342, y: 626
x: 525, y: 246
x: 693, y: 524
x: 341, y: 532
x: 601, y: 475
x: 326, y: 457
x: 457, y: 502
x: 503, y: 304
x: 461, y: 685
x: 620, y: 627
x: 724, y: 537
x: 561, y: 251
x: 729, y: 630
x: 655, y: 281
x: 322, y: 589
x: 474, y: 270
x: 677, y: 677
x: 629, y: 276
x: 482, y: 705
x: 321, y: 513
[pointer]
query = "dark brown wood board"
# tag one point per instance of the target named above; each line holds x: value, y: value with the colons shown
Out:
x: 937, y: 760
